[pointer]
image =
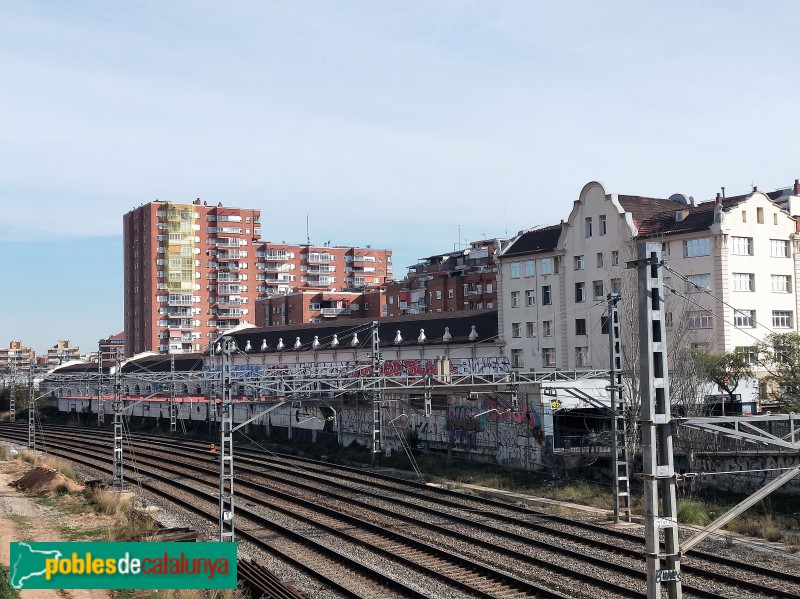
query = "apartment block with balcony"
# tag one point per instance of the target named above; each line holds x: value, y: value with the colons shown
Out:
x: 111, y: 348
x: 743, y: 250
x: 461, y: 280
x: 316, y: 306
x: 16, y: 358
x: 61, y: 353
x: 190, y: 274
x: 194, y: 271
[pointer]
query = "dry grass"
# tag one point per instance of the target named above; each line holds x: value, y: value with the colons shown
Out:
x: 28, y: 456
x: 793, y: 543
x: 110, y: 502
x: 3, y: 452
x: 63, y: 466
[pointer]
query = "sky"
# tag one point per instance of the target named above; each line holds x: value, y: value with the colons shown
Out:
x: 412, y: 125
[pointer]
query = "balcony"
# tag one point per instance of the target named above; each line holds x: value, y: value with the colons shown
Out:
x: 179, y: 312
x: 282, y: 256
x: 184, y: 300
x: 183, y: 324
x: 232, y: 313
x: 320, y: 270
x: 228, y: 255
x: 334, y: 311
x: 229, y: 289
x: 363, y: 258
x: 229, y: 301
x: 228, y: 277
x: 228, y: 242
x: 276, y: 267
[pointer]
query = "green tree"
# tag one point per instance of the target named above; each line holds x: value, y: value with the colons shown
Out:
x: 779, y: 355
x: 725, y: 370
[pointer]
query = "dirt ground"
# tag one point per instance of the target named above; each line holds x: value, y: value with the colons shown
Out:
x: 22, y: 518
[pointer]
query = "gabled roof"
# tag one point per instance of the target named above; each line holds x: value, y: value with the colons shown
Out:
x: 535, y: 241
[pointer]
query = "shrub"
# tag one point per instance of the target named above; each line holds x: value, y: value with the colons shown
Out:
x: 691, y: 511
x: 28, y: 456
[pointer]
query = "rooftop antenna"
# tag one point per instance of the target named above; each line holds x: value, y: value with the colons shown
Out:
x: 308, y: 237
x: 505, y: 215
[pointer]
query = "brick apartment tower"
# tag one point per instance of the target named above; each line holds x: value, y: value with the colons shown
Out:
x: 193, y: 271
x: 189, y: 274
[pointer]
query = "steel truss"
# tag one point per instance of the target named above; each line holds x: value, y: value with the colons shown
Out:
x: 744, y: 427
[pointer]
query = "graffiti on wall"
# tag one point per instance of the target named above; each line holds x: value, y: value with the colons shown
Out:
x: 528, y: 414
x: 356, y: 368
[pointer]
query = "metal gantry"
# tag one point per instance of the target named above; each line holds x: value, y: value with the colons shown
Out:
x: 118, y: 480
x: 227, y: 526
x: 31, y: 413
x: 657, y: 426
x: 377, y: 432
x: 619, y: 429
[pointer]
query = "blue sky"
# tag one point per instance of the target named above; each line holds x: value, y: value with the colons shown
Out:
x: 386, y: 123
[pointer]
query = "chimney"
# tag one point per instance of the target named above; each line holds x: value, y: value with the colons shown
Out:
x: 723, y: 193
x: 719, y: 198
x: 796, y: 187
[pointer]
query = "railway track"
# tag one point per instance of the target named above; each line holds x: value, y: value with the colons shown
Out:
x: 477, y: 546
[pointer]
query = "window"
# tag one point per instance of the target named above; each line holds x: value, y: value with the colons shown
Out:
x: 616, y: 286
x: 530, y: 329
x: 515, y: 299
x: 580, y: 326
x: 546, y: 297
x: 597, y: 289
x: 478, y: 288
x: 603, y: 229
x: 665, y: 249
x: 744, y: 216
x: 489, y: 287
x: 581, y: 357
x: 700, y: 320
x: 742, y: 246
x: 450, y: 294
x: 588, y: 226
x: 515, y: 330
x: 599, y: 259
x: 782, y: 319
x: 530, y: 298
x: 546, y: 266
x: 697, y: 247
x: 695, y: 283
x: 548, y: 357
x: 517, y: 361
x: 745, y: 319
x: 748, y: 353
x: 515, y: 270
x: 779, y: 248
x: 438, y: 294
x: 744, y: 281
x: 614, y: 258
x: 760, y: 215
x: 579, y: 263
x: 529, y: 271
x: 604, y: 325
x: 580, y: 292
x: 547, y: 328
x: 781, y: 283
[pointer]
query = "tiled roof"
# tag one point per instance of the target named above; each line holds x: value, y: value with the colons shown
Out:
x: 644, y: 209
x: 537, y: 240
x: 699, y: 218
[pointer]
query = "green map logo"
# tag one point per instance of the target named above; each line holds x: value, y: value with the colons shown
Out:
x: 123, y: 565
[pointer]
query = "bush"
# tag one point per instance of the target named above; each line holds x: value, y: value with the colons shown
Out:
x: 3, y: 452
x: 695, y: 512
x: 109, y: 502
